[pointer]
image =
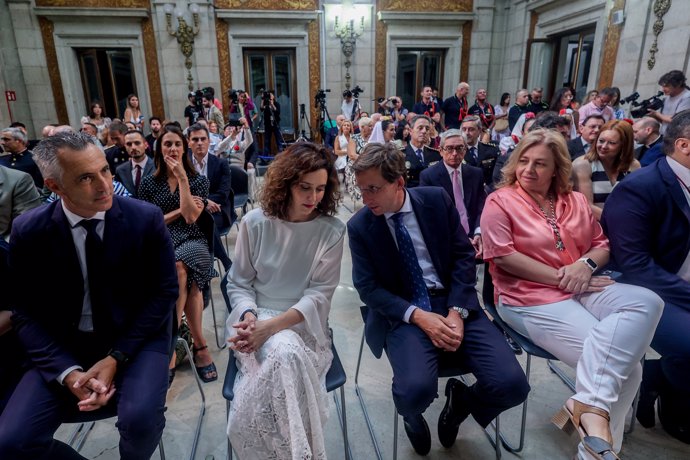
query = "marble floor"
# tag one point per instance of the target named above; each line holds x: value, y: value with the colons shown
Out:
x: 542, y: 441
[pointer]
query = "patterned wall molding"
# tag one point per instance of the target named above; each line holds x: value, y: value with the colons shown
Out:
x: 314, y: 71
x: 148, y: 37
x: 466, y: 47
x: 266, y: 4
x: 609, y: 51
x: 224, y: 69
x: 146, y: 4
x: 47, y: 30
x: 426, y: 5
x: 380, y: 58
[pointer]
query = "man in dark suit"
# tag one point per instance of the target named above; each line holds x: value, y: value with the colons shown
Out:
x: 425, y: 312
x: 220, y: 203
x: 139, y: 165
x: 93, y: 345
x: 479, y: 154
x: 468, y: 194
x: 646, y: 133
x: 418, y: 155
x: 647, y: 220
x: 589, y: 131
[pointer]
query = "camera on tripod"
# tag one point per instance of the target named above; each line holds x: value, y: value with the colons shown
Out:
x: 653, y: 103
x: 320, y: 97
x: 356, y: 91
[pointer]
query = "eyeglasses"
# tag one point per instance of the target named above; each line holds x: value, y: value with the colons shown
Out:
x: 6, y: 139
x: 455, y: 148
x: 373, y: 189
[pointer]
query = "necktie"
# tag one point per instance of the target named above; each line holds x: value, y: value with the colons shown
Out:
x: 420, y: 155
x: 137, y: 177
x: 473, y: 153
x: 459, y: 202
x: 94, y: 267
x: 411, y: 268
x: 586, y: 148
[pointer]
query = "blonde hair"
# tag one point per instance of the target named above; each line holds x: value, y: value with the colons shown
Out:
x: 553, y: 140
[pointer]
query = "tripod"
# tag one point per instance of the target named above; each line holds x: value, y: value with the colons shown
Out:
x: 323, y: 116
x: 302, y: 119
x: 355, y: 109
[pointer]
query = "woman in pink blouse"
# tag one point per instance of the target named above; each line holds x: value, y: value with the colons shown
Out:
x: 544, y: 245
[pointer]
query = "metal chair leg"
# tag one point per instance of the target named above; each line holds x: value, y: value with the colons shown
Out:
x: 161, y: 451
x: 395, y: 434
x: 219, y: 341
x: 342, y: 418
x: 79, y: 435
x: 202, y: 410
x: 363, y: 405
x: 562, y: 375
x: 227, y: 416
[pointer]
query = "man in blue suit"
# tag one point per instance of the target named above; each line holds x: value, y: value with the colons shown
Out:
x: 647, y: 220
x: 93, y: 345
x: 413, y: 266
x: 220, y: 202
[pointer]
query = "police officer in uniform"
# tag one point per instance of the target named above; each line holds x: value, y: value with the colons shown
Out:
x: 479, y: 154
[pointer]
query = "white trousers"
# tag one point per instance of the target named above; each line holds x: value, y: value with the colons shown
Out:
x: 604, y: 335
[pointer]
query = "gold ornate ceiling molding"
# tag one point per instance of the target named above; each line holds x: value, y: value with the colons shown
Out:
x: 95, y: 3
x: 47, y: 29
x: 610, y: 48
x: 426, y: 5
x: 224, y: 60
x: 267, y: 4
x: 380, y: 70
x: 314, y: 71
x: 466, y: 47
x: 151, y: 58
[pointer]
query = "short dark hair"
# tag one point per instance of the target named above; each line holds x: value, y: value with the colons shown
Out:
x: 608, y: 91
x: 155, y: 118
x: 674, y: 78
x: 416, y: 118
x: 119, y: 127
x: 385, y: 157
x: 679, y: 127
x: 17, y: 124
x: 88, y: 123
x: 549, y: 120
x: 197, y: 127
x: 135, y: 131
x: 594, y: 116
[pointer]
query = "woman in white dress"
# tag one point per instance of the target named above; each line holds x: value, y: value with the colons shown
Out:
x: 286, y: 268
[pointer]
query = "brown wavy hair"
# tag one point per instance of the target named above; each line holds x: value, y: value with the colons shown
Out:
x: 554, y: 141
x: 288, y: 168
x: 626, y: 154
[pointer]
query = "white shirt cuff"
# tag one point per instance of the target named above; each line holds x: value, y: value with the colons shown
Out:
x: 62, y: 376
x: 477, y: 231
x: 408, y: 313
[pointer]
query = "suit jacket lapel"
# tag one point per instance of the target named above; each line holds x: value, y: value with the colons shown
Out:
x: 674, y: 188
x: 467, y: 188
x: 444, y: 180
x: 380, y: 232
x: 66, y: 253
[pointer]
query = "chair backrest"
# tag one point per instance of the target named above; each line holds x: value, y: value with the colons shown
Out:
x: 224, y: 291
x: 239, y: 181
x: 208, y: 226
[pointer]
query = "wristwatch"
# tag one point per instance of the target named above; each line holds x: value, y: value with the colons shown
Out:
x: 592, y: 265
x: 118, y: 356
x: 463, y: 312
x: 249, y: 310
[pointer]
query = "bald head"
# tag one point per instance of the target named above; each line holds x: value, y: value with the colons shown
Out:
x: 646, y: 130
x: 462, y: 89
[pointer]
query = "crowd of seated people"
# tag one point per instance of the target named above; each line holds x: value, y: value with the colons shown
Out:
x: 550, y: 212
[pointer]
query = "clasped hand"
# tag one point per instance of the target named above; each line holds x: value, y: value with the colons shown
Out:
x: 577, y: 278
x: 445, y: 333
x: 251, y: 334
x: 95, y: 387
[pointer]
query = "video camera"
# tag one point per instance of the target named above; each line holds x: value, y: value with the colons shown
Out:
x: 198, y: 96
x: 653, y: 103
x: 320, y: 97
x: 265, y: 96
x: 356, y: 91
x: 234, y: 95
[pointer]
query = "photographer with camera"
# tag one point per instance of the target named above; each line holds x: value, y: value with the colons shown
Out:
x: 270, y: 108
x: 211, y: 112
x: 674, y: 86
x: 195, y: 109
x: 348, y: 105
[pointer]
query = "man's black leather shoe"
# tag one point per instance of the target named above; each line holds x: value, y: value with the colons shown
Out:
x: 451, y: 416
x: 418, y: 432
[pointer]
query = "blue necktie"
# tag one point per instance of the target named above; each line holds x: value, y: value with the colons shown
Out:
x: 412, y: 270
x: 420, y: 155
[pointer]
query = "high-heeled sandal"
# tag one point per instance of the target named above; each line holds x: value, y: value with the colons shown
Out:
x: 570, y: 421
x: 206, y: 373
